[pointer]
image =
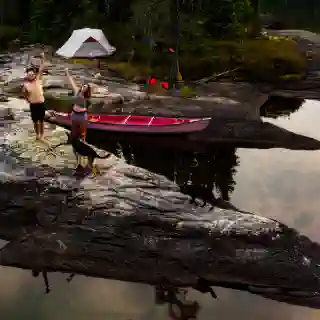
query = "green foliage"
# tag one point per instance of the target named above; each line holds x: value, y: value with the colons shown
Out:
x: 187, y: 92
x: 295, y: 14
x: 227, y: 18
x: 292, y: 77
x: 265, y: 60
x: 270, y: 60
x: 54, y: 19
x: 129, y: 71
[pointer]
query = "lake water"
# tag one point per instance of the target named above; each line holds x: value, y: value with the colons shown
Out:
x: 275, y: 183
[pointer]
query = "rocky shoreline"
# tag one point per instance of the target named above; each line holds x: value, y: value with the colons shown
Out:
x: 233, y: 107
x: 128, y: 98
x: 229, y: 100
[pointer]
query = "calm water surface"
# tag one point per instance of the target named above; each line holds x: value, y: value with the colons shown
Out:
x: 276, y: 183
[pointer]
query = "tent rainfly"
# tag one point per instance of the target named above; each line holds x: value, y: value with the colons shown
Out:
x: 86, y: 43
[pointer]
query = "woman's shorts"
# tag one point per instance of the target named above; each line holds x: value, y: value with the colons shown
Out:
x: 79, y: 116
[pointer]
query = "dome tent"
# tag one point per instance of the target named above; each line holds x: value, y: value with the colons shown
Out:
x: 86, y: 43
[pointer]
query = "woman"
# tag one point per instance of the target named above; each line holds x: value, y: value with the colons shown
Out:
x: 79, y: 115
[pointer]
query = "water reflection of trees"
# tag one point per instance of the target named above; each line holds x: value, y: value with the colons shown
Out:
x: 207, y: 177
x: 277, y: 107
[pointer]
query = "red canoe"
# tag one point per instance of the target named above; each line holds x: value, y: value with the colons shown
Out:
x: 133, y: 124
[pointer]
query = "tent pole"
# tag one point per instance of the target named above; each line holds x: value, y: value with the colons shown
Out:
x: 175, y: 11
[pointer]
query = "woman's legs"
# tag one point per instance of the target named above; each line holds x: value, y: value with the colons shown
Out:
x: 84, y: 125
x: 84, y: 130
x: 76, y: 134
x: 79, y: 130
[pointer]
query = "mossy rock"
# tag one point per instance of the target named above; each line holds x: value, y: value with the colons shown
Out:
x: 270, y: 60
x: 292, y: 77
x: 129, y: 71
x: 187, y: 92
x: 157, y: 90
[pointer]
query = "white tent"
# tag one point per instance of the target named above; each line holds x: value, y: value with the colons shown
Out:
x: 86, y: 43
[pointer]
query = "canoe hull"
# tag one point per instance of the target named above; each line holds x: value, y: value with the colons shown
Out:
x: 183, y: 128
x: 173, y: 138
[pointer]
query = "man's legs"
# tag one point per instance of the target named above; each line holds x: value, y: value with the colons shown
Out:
x: 41, y: 129
x: 42, y: 113
x: 37, y: 116
x: 36, y: 129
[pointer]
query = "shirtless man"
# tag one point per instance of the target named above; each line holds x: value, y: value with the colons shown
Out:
x: 33, y: 93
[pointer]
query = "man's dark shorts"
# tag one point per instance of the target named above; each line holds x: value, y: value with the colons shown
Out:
x: 37, y: 112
